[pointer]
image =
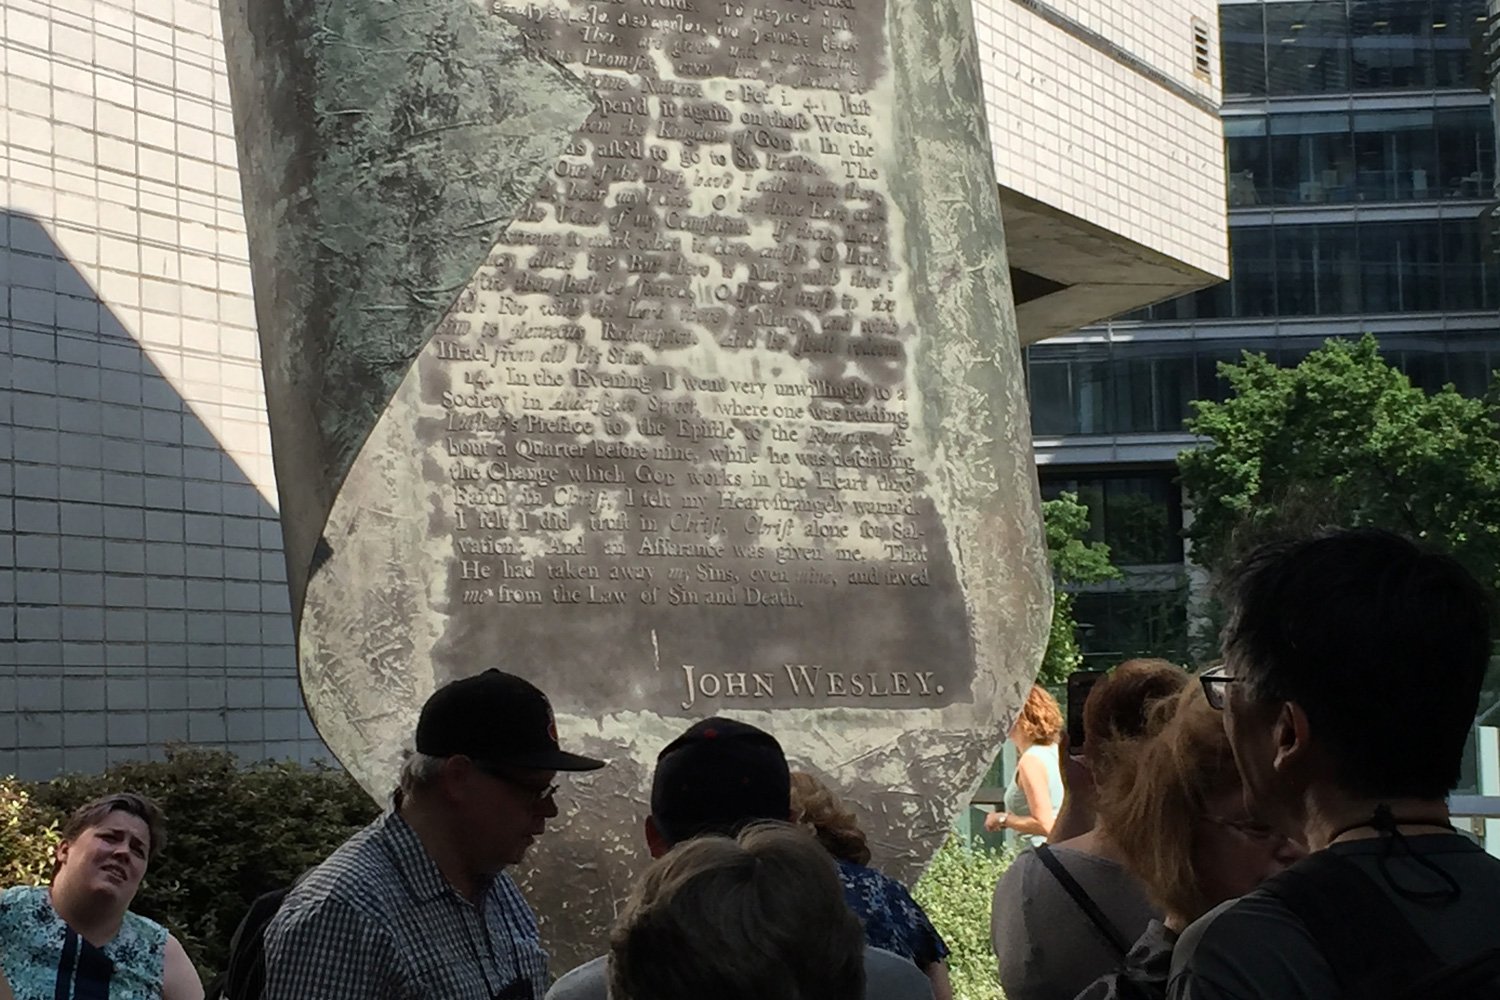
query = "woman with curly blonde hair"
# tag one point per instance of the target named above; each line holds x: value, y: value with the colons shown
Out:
x: 1035, y: 792
x: 893, y: 921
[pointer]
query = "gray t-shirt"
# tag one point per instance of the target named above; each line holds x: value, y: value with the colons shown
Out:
x: 1255, y: 948
x: 887, y: 977
x: 1047, y: 948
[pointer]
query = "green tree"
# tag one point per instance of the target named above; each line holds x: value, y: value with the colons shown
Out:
x: 1343, y: 439
x: 1075, y: 560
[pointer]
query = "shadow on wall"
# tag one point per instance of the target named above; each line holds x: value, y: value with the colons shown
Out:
x: 142, y: 586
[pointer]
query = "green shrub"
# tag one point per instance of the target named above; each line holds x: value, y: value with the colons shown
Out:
x: 26, y: 839
x: 233, y: 832
x: 956, y: 892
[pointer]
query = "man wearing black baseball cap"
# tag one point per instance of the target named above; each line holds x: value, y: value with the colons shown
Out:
x: 418, y: 903
x: 720, y: 777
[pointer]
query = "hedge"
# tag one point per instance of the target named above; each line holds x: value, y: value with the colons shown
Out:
x: 234, y: 832
x: 956, y: 891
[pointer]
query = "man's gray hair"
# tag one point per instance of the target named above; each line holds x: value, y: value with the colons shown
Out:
x: 419, y: 771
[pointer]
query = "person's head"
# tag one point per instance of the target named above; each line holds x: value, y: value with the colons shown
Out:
x: 1175, y: 807
x: 1356, y: 662
x: 1040, y: 721
x: 815, y: 807
x: 1119, y: 706
x: 759, y: 916
x: 106, y: 847
x: 718, y: 777
x: 486, y: 755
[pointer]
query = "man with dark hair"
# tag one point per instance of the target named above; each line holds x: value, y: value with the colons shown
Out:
x: 1353, y: 666
x: 418, y: 906
x: 718, y: 778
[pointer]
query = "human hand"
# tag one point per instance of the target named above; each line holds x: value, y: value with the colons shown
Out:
x: 994, y: 822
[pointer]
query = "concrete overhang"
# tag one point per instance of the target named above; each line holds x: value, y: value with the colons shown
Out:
x: 1068, y: 273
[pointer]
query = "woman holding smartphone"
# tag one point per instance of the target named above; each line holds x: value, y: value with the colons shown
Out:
x: 1035, y: 792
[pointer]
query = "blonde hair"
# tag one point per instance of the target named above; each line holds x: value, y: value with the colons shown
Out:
x: 815, y: 807
x: 1156, y: 789
x: 759, y: 916
x: 1041, y: 720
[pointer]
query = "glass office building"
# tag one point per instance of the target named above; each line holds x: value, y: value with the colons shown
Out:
x: 1361, y: 156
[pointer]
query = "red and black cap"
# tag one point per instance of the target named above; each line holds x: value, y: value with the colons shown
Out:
x: 495, y: 718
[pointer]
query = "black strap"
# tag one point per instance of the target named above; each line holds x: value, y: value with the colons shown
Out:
x: 1377, y: 953
x: 1476, y: 979
x: 67, y: 966
x: 1088, y: 906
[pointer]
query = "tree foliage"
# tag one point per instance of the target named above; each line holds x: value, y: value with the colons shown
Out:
x: 1075, y: 560
x: 1343, y: 439
x: 233, y: 832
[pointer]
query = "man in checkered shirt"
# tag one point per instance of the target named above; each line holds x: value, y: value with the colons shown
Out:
x: 417, y: 906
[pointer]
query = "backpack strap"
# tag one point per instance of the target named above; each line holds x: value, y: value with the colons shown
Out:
x: 1478, y: 978
x: 1372, y: 948
x: 1085, y: 903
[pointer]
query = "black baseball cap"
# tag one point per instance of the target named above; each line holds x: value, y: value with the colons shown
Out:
x: 717, y: 777
x: 495, y: 718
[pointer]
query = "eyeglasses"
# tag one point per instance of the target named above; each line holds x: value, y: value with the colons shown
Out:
x: 537, y: 794
x: 1216, y: 681
x: 1248, y: 828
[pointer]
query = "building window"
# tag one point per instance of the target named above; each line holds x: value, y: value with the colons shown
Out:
x: 1242, y: 35
x: 1372, y: 156
x: 1307, y: 48
x: 1149, y: 386
x: 1330, y: 46
x: 1118, y: 625
x: 1138, y: 515
x: 1347, y: 270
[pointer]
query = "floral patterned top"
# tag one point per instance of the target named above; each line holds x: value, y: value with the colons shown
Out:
x: 45, y: 959
x: 893, y: 920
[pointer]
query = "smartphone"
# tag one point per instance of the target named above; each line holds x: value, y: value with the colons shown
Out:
x: 1080, y: 683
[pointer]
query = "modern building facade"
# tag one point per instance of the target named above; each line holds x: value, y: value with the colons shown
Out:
x: 142, y: 585
x: 1361, y: 167
x: 1108, y: 151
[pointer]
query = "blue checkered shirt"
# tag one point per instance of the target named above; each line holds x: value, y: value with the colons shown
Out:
x: 377, y: 921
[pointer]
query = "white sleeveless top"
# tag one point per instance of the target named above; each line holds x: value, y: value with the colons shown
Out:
x: 1015, y: 799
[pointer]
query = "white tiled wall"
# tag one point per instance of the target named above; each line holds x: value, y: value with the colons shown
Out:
x: 1081, y: 131
x: 1158, y: 32
x: 142, y: 593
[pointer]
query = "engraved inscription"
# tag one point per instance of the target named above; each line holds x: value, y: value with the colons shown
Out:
x: 678, y: 397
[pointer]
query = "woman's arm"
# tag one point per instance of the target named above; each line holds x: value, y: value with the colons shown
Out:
x: 5, y: 993
x: 942, y: 989
x: 179, y: 979
x: 1077, y: 816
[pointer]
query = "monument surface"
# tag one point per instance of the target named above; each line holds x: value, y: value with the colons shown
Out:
x: 661, y: 351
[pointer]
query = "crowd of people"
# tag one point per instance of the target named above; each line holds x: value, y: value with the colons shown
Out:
x: 1272, y: 828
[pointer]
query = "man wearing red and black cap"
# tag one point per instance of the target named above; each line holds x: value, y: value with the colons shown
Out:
x: 718, y: 778
x: 417, y: 906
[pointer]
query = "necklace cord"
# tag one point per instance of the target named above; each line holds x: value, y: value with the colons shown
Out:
x: 1385, y: 823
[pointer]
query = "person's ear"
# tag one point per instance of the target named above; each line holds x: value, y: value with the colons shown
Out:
x: 656, y: 843
x: 60, y: 853
x: 1291, y: 737
x: 455, y: 778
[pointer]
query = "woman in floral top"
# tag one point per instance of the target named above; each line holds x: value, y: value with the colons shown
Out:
x: 893, y: 921
x: 77, y: 937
